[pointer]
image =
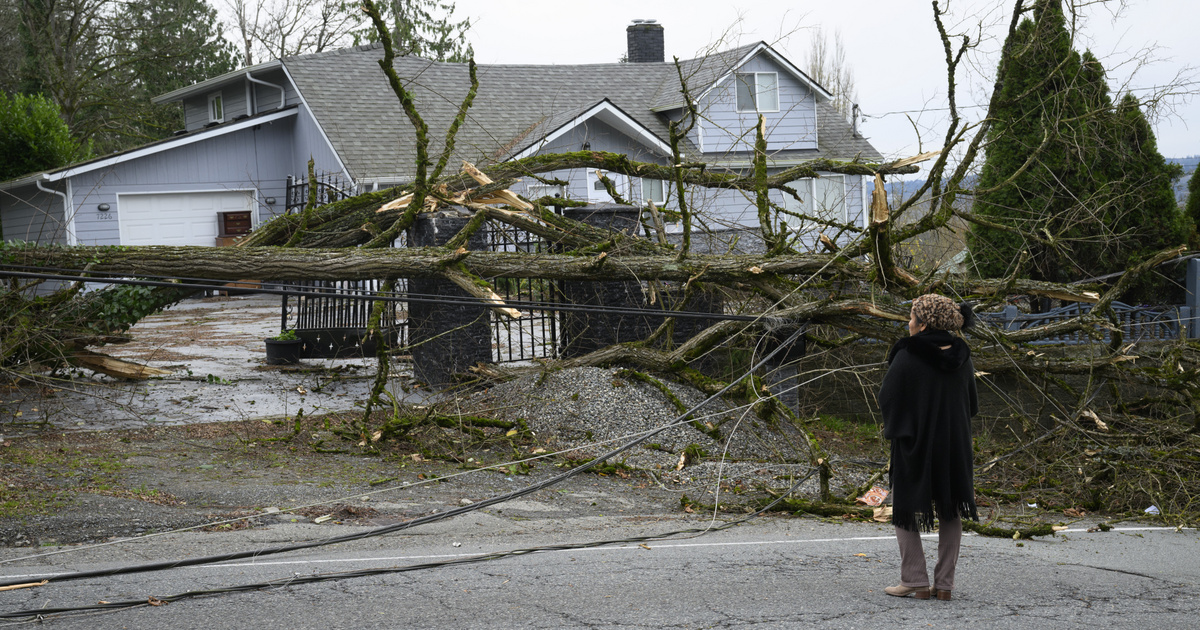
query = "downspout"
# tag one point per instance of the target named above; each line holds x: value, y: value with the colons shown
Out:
x: 68, y: 209
x: 282, y: 92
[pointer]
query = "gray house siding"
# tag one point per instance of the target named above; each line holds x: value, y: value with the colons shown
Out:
x: 32, y: 215
x: 195, y: 112
x: 255, y: 159
x: 240, y: 98
x: 732, y: 209
x: 311, y: 143
x: 724, y: 129
x: 233, y: 104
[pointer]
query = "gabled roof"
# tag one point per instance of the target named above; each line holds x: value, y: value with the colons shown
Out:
x: 517, y: 107
x: 603, y: 111
x: 702, y: 74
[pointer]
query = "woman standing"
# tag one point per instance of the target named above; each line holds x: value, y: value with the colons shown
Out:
x: 927, y: 399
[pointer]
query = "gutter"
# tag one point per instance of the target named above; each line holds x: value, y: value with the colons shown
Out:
x: 251, y: 79
x: 68, y: 209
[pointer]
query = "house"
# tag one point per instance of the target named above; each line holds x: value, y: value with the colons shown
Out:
x: 249, y: 131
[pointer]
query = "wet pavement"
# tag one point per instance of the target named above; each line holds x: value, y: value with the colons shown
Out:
x: 213, y: 348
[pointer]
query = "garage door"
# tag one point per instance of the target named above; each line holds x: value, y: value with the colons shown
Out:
x: 175, y: 218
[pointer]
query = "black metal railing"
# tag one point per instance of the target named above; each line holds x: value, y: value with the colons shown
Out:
x: 330, y: 188
x: 535, y: 335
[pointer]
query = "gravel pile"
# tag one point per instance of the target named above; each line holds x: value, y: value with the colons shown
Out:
x: 596, y: 410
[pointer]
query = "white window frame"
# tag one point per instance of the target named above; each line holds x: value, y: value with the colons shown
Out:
x: 807, y: 188
x: 648, y: 191
x: 756, y: 92
x: 537, y: 191
x: 216, y: 108
x: 833, y: 184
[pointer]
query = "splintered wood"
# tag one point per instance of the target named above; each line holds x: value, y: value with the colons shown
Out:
x: 117, y: 368
x: 500, y: 196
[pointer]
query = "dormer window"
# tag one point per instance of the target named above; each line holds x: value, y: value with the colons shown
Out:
x: 757, y: 91
x: 216, y: 111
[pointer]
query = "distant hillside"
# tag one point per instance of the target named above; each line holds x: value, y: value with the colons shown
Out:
x: 1189, y: 166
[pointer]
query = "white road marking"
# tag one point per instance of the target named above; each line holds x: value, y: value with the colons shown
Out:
x: 630, y: 547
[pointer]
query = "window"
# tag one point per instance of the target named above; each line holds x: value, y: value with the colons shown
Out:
x: 757, y: 91
x: 654, y: 190
x: 537, y: 191
x: 824, y: 198
x: 216, y: 112
x: 829, y: 193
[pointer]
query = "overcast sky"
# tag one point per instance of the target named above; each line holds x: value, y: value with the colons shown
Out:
x: 891, y: 45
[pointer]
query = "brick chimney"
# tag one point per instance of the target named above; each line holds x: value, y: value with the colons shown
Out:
x: 645, y: 42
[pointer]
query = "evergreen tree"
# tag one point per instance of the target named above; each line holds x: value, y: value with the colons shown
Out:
x: 171, y: 44
x: 33, y: 137
x: 1192, y: 207
x: 1041, y: 114
x: 423, y: 28
x: 1096, y: 196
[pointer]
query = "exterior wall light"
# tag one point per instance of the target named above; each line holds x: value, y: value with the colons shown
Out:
x: 270, y: 201
x: 103, y: 207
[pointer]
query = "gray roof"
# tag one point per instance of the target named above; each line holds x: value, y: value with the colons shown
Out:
x: 516, y: 105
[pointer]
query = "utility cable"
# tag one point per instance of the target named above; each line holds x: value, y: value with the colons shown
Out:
x: 160, y: 566
x: 38, y: 613
x: 403, y: 486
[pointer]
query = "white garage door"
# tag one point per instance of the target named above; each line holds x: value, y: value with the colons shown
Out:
x: 175, y: 218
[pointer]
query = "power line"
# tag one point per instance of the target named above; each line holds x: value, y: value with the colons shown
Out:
x: 976, y: 106
x: 160, y: 566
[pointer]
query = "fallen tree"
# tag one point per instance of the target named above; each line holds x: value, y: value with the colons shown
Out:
x: 851, y: 291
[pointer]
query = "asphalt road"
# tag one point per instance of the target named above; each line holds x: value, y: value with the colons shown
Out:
x: 770, y: 573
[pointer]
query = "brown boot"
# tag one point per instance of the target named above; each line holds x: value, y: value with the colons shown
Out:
x: 941, y: 594
x: 905, y: 591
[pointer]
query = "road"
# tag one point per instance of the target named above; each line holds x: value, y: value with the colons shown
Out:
x: 769, y: 573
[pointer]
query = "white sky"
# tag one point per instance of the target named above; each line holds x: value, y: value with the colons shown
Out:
x: 891, y: 45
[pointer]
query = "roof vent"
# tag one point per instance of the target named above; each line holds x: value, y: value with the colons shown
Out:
x: 645, y: 42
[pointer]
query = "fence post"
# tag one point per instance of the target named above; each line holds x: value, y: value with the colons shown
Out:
x: 585, y: 332
x: 1009, y: 314
x: 446, y: 338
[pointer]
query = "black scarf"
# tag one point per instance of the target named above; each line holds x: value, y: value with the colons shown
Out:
x: 928, y: 398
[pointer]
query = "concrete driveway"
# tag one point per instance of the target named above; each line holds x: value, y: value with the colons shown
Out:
x: 213, y: 348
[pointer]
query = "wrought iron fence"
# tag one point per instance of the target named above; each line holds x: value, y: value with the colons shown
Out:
x: 1136, y: 323
x: 334, y: 322
x: 333, y: 317
x: 535, y: 335
x: 330, y: 188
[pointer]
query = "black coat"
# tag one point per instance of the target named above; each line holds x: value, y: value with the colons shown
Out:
x: 928, y: 398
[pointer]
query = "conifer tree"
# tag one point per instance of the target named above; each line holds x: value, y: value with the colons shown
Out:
x: 1082, y: 181
x: 1192, y: 209
x: 1041, y: 117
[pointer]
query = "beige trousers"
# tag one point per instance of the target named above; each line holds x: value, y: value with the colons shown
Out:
x: 913, y: 573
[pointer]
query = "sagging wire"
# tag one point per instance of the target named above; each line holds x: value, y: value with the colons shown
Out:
x: 681, y: 419
x: 40, y: 613
x: 404, y: 486
x: 160, y: 566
